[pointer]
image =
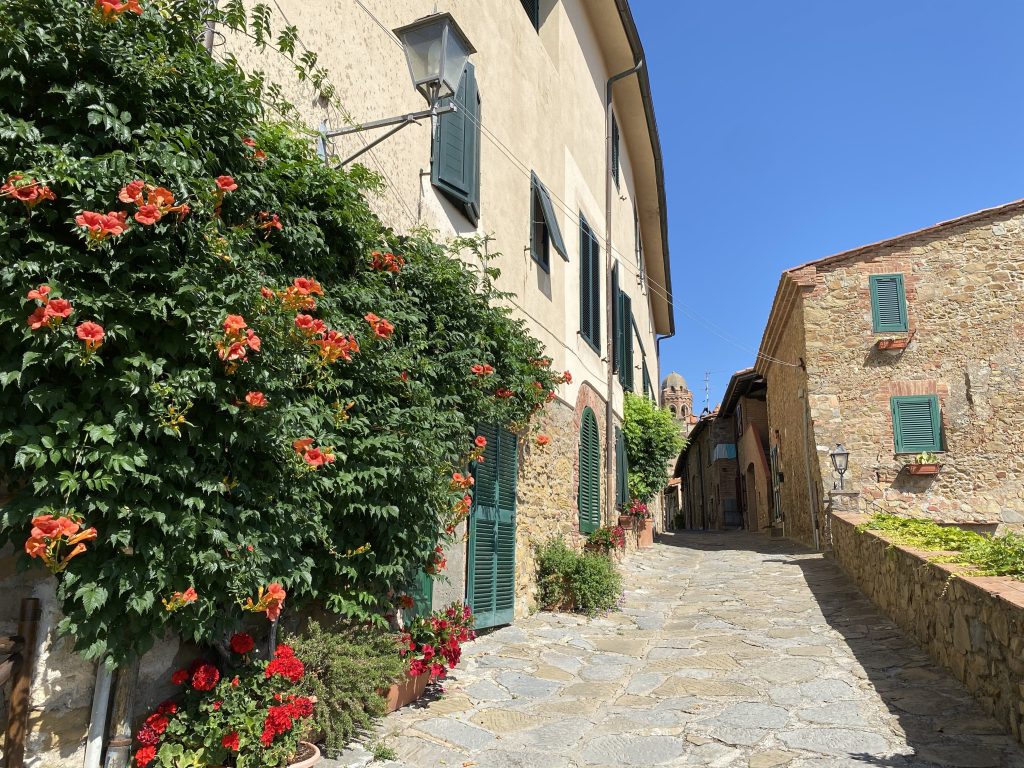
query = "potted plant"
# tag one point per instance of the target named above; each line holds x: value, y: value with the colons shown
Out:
x: 926, y: 463
x: 607, y: 539
x: 642, y: 517
x: 431, y: 646
x: 893, y: 343
x: 244, y: 713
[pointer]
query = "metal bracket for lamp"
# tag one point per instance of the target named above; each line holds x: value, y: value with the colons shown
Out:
x: 400, y: 122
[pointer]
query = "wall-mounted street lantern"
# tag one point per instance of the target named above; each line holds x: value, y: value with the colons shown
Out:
x: 437, y: 52
x: 840, y: 461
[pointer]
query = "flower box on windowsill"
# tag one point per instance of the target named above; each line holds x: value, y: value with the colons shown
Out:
x: 892, y: 345
x: 923, y: 469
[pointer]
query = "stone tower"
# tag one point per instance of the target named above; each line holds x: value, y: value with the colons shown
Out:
x: 677, y: 397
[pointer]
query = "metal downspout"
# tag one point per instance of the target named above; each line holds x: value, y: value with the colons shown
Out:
x: 98, y: 715
x: 609, y: 411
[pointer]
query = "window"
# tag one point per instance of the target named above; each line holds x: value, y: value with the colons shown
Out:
x: 532, y: 8
x: 648, y: 387
x: 615, y: 151
x: 455, y: 165
x: 888, y: 303
x: 622, y: 325
x: 588, y: 500
x: 621, y: 470
x: 544, y: 230
x: 638, y: 245
x: 916, y: 423
x: 590, y: 286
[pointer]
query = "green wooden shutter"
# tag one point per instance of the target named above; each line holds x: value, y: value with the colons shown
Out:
x: 547, y: 211
x: 627, y: 342
x: 595, y: 290
x: 589, y: 495
x: 490, y: 588
x: 621, y: 470
x: 455, y: 167
x: 615, y: 151
x: 422, y: 593
x: 916, y: 423
x: 617, y: 329
x: 648, y: 388
x: 590, y: 285
x: 532, y: 8
x: 888, y: 303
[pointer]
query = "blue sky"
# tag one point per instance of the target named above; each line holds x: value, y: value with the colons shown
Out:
x: 795, y: 129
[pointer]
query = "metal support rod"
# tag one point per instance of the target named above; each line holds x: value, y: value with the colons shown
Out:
x: 119, y: 747
x: 411, y: 117
x: 17, y: 721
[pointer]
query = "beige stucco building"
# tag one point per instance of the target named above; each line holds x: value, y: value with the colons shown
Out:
x: 907, y: 346
x: 573, y: 203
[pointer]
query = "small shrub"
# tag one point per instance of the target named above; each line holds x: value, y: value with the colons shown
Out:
x: 607, y: 539
x: 346, y: 668
x: 597, y: 584
x: 590, y: 583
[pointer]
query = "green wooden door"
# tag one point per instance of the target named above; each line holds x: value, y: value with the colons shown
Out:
x: 491, y: 572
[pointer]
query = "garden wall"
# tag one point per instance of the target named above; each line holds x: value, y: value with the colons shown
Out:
x: 973, y: 626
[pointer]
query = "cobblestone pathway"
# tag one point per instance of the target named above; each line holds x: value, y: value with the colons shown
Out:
x: 730, y: 650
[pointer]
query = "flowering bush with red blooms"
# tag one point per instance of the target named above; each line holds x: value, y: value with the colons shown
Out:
x: 251, y: 715
x: 157, y: 399
x: 433, y: 644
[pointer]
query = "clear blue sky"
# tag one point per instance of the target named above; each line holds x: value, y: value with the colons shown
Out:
x: 795, y: 129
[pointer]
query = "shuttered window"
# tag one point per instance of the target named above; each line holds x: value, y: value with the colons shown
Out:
x: 491, y: 579
x: 532, y: 8
x: 590, y: 286
x: 648, y: 387
x: 545, y: 233
x: 621, y: 470
x: 589, y: 497
x: 916, y: 423
x: 455, y: 166
x: 615, y: 151
x: 422, y: 593
x: 888, y: 303
x: 622, y: 322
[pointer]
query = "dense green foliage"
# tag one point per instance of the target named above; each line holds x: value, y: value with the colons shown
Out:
x: 149, y: 438
x: 346, y: 669
x: 653, y: 440
x: 587, y: 582
x: 987, y: 555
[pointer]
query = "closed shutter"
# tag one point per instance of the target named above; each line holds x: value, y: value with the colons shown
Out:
x: 422, y: 593
x: 627, y: 342
x: 648, y: 388
x: 621, y: 470
x: 615, y: 151
x: 617, y: 330
x: 589, y: 495
x: 888, y: 303
x: 916, y: 423
x: 492, y: 531
x: 590, y: 286
x: 455, y: 168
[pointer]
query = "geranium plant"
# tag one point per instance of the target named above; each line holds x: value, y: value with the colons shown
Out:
x: 638, y: 510
x: 250, y: 714
x: 607, y: 539
x: 433, y: 644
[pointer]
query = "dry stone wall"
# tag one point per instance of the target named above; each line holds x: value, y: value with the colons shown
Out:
x: 972, y: 626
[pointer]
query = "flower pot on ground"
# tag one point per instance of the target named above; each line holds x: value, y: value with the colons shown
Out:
x: 306, y: 756
x: 645, y: 533
x: 407, y: 690
x: 892, y: 345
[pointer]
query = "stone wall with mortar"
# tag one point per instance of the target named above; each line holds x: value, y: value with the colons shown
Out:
x: 964, y: 288
x: 972, y: 626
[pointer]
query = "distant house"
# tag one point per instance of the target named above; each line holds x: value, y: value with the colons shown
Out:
x: 909, y: 346
x: 745, y: 402
x: 710, y: 481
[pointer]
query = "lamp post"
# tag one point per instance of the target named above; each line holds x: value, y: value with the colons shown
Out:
x: 437, y: 51
x: 840, y: 461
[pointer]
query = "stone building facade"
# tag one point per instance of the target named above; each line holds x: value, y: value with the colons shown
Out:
x: 945, y: 300
x: 745, y: 400
x: 557, y: 170
x: 710, y: 481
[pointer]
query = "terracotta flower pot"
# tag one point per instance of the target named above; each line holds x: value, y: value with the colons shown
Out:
x: 406, y: 691
x: 308, y: 755
x: 626, y: 521
x: 645, y: 534
x: 923, y: 469
x: 892, y: 345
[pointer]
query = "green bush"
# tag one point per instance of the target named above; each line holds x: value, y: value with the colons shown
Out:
x: 589, y: 582
x: 346, y: 667
x: 183, y: 461
x: 653, y: 440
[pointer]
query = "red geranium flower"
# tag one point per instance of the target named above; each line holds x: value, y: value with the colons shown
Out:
x: 145, y: 756
x: 205, y: 677
x: 179, y: 677
x: 230, y: 741
x: 242, y: 643
x: 158, y: 722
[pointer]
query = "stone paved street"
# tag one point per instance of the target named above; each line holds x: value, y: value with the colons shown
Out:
x: 730, y: 650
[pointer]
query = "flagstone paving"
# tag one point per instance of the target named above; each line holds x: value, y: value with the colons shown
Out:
x: 730, y: 650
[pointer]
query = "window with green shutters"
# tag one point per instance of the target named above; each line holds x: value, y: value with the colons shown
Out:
x: 455, y: 165
x: 621, y: 470
x: 545, y: 233
x: 589, y: 496
x: 622, y: 323
x: 590, y: 286
x: 916, y: 423
x: 532, y: 8
x: 491, y: 572
x: 888, y: 303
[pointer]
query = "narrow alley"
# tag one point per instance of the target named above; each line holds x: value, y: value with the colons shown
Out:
x: 730, y: 650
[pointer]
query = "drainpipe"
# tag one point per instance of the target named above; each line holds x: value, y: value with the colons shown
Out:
x: 609, y: 411
x: 98, y: 716
x: 120, y: 745
x: 807, y: 468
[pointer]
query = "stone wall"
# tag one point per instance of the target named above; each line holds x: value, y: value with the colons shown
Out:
x: 964, y: 287
x: 972, y: 626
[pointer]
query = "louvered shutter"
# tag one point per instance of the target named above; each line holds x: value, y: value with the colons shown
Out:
x: 627, y: 342
x: 615, y: 151
x: 585, y: 330
x: 595, y: 290
x: 455, y: 167
x: 532, y: 8
x: 490, y: 588
x: 648, y: 388
x: 621, y: 470
x: 617, y: 330
x: 888, y: 303
x: 916, y: 423
x: 589, y: 495
x: 422, y: 593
